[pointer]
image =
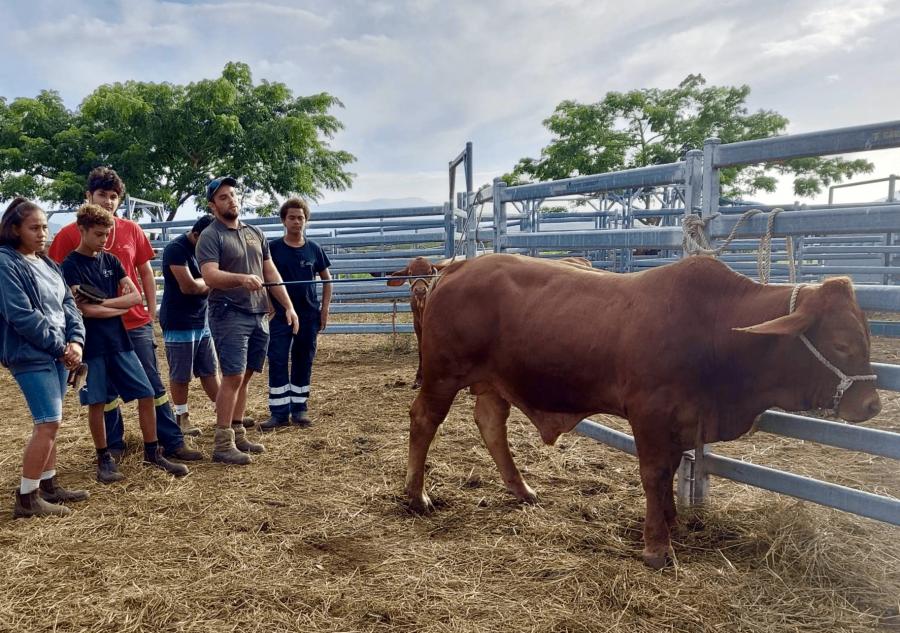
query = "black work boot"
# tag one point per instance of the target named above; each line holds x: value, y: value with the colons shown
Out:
x: 157, y: 459
x: 31, y: 505
x: 275, y: 422
x: 107, y: 472
x: 301, y: 419
x: 51, y: 491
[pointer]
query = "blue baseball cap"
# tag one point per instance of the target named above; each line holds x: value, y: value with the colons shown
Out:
x: 215, y: 183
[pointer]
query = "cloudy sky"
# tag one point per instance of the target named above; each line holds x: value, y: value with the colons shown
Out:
x: 419, y: 78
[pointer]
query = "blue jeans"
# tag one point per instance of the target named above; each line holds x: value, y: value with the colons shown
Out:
x: 289, y: 391
x: 167, y: 429
x: 44, y: 390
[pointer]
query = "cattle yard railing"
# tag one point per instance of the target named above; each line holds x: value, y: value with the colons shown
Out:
x: 366, y: 244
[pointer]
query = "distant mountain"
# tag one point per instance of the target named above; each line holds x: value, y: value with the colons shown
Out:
x: 379, y: 203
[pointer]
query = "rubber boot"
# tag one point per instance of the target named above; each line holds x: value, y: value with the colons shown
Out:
x: 225, y: 450
x: 158, y: 460
x: 184, y: 423
x: 52, y: 492
x: 107, y: 472
x: 31, y: 505
x: 242, y: 443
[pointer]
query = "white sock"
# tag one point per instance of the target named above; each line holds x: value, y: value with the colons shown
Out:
x: 181, y: 409
x: 48, y: 474
x: 29, y: 485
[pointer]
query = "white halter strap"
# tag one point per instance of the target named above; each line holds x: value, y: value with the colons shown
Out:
x: 844, y: 381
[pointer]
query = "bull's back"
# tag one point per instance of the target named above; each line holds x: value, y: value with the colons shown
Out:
x: 546, y: 331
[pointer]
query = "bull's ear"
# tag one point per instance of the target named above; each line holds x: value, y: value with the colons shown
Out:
x: 398, y: 273
x: 436, y: 267
x: 791, y: 325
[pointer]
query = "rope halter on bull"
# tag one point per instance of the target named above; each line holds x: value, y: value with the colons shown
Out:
x: 695, y: 242
x: 844, y: 381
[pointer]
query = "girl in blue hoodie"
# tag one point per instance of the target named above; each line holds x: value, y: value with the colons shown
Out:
x: 41, y: 339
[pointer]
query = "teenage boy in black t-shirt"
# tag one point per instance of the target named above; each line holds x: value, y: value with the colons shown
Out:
x: 182, y: 315
x: 108, y: 351
x: 297, y: 259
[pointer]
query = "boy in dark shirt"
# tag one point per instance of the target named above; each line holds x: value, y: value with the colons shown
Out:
x: 108, y: 351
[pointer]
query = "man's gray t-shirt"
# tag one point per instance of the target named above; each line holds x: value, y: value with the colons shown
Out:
x: 241, y: 250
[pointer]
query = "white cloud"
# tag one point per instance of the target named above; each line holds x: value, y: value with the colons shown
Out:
x: 835, y: 28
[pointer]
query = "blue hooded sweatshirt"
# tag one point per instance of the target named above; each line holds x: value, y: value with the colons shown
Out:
x: 27, y: 340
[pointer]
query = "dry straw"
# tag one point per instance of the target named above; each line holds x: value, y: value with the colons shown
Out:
x: 314, y: 536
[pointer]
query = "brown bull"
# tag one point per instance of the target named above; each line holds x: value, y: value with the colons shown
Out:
x: 686, y: 352
x: 418, y: 293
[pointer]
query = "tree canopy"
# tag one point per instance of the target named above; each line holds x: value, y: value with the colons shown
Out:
x: 656, y: 126
x: 167, y: 140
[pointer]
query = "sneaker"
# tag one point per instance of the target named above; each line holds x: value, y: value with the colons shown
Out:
x: 158, y: 460
x: 301, y: 419
x: 107, y: 472
x: 185, y: 453
x: 52, y: 492
x: 275, y: 422
x: 31, y: 505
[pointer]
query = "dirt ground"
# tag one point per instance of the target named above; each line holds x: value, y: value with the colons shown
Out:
x: 314, y: 536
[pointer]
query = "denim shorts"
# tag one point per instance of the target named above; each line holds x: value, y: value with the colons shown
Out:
x: 44, y: 390
x: 121, y: 372
x: 241, y: 339
x: 191, y: 357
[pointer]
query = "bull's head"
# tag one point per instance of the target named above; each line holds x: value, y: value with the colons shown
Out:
x: 833, y: 329
x: 417, y: 267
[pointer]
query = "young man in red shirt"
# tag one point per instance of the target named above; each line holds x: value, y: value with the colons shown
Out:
x: 130, y: 245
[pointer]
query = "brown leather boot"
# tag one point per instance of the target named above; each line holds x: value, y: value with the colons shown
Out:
x: 242, y: 443
x: 52, y: 492
x: 31, y: 505
x: 184, y: 423
x: 225, y: 450
x: 158, y: 460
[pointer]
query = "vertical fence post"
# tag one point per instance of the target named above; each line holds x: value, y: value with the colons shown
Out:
x: 499, y: 215
x: 693, y: 180
x: 693, y: 477
x: 449, y: 231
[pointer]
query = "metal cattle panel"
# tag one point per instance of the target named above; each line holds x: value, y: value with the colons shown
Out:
x: 641, y: 177
x: 840, y: 141
x: 832, y: 495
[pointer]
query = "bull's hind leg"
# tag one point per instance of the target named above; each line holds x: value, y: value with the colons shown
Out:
x: 426, y: 414
x: 491, y: 412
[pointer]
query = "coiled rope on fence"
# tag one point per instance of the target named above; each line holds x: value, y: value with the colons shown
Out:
x: 695, y: 242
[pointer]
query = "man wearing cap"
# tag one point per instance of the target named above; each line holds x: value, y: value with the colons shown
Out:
x: 234, y: 260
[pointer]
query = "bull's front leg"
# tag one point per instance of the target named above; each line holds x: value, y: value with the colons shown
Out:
x: 657, y: 476
x: 425, y: 415
x: 491, y: 412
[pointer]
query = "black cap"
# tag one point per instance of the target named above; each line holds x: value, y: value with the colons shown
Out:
x: 215, y: 183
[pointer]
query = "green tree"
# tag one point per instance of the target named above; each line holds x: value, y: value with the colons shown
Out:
x: 652, y: 126
x: 166, y: 140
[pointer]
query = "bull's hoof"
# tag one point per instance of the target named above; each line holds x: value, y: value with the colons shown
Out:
x: 417, y: 384
x: 525, y: 494
x: 420, y: 503
x: 656, y: 559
